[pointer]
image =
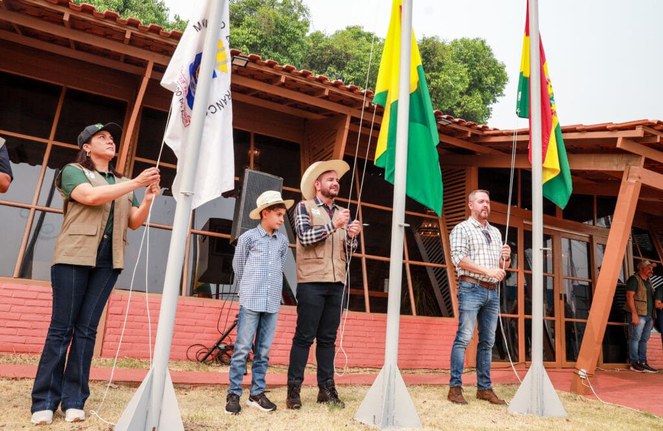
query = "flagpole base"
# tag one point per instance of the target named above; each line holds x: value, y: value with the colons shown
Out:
x: 134, y: 417
x: 387, y: 403
x: 536, y: 395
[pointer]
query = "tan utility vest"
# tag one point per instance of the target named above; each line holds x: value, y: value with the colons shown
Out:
x: 640, y: 297
x: 325, y: 261
x: 84, y: 225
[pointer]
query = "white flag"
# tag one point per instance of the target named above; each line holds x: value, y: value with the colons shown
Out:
x: 215, y: 172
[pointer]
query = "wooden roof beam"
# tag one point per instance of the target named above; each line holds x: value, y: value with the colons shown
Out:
x: 467, y: 145
x: 524, y: 137
x: 248, y: 99
x: 647, y: 177
x: 637, y: 148
x: 79, y: 36
x: 579, y: 162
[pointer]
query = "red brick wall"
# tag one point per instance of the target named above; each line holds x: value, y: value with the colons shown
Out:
x: 425, y: 342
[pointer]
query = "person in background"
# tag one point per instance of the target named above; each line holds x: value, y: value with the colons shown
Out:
x: 480, y: 258
x: 640, y: 315
x: 6, y: 175
x: 258, y: 265
x: 99, y: 206
x: 325, y: 239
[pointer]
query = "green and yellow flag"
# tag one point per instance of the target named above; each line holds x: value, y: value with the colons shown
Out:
x: 557, y: 186
x: 424, y: 179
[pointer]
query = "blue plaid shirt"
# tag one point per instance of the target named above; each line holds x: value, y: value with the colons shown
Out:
x: 258, y: 265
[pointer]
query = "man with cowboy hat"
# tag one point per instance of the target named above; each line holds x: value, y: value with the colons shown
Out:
x: 258, y: 265
x: 325, y: 238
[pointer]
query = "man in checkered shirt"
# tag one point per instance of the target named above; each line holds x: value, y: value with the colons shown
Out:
x: 480, y: 259
x: 258, y: 266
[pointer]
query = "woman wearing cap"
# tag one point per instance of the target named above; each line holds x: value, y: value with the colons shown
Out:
x: 99, y: 206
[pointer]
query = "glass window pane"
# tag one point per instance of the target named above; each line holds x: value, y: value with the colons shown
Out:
x: 617, y: 313
x: 432, y: 296
x: 81, y: 109
x: 605, y: 208
x: 377, y: 273
x: 548, y: 295
x: 615, y: 349
x: 509, y: 294
x: 577, y: 299
x: 489, y: 178
x: 215, y: 210
x: 377, y: 231
x: 28, y: 105
x: 424, y: 242
x: 280, y: 158
x: 163, y: 207
x: 547, y: 253
x: 580, y: 208
x: 510, y: 236
x: 356, y: 286
x: 26, y: 159
x: 643, y: 244
x: 548, y: 340
x: 549, y: 208
x: 13, y: 225
x: 150, y: 136
x: 573, y: 333
x: 598, y: 258
x: 575, y: 258
x: 242, y: 146
x: 502, y: 351
x: 38, y: 257
x: 151, y: 265
x: 375, y: 189
x: 59, y: 157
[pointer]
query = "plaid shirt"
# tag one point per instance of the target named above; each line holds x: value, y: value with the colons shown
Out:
x: 471, y: 239
x: 309, y: 235
x: 258, y: 265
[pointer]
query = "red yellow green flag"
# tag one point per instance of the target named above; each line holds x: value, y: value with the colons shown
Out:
x: 424, y: 178
x: 556, y: 178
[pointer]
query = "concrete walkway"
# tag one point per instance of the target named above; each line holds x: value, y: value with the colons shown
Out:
x: 626, y: 388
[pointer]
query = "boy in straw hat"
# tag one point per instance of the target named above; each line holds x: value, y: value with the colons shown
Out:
x: 324, y: 237
x: 258, y: 265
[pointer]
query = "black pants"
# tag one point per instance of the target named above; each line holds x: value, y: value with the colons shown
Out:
x: 318, y: 317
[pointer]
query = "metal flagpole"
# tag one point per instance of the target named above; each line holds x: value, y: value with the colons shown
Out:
x: 536, y: 394
x: 154, y: 402
x: 387, y: 403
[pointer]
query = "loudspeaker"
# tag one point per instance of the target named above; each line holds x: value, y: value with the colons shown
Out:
x: 254, y: 183
x: 216, y: 254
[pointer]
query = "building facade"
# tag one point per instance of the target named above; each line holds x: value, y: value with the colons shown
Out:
x: 66, y: 66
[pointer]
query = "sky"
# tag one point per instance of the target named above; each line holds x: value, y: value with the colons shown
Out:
x: 604, y: 56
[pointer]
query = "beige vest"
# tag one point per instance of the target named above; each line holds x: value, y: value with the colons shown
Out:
x: 640, y: 297
x: 325, y: 261
x: 84, y: 225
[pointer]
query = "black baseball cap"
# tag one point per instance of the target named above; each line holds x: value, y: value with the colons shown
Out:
x: 90, y: 131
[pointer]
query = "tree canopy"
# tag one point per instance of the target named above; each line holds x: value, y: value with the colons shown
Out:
x: 464, y: 77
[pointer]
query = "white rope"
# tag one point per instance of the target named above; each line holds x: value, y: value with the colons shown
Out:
x: 348, y: 248
x: 506, y: 237
x: 146, y: 234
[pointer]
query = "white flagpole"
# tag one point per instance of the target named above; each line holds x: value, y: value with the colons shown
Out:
x: 154, y: 403
x: 536, y: 394
x: 387, y: 403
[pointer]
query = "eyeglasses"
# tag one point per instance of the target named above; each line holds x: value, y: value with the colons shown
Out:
x: 486, y: 235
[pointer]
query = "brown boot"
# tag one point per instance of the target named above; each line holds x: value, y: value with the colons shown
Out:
x: 489, y: 395
x: 456, y: 395
x: 293, y: 400
x: 327, y: 394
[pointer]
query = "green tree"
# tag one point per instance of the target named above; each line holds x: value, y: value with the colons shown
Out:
x: 147, y: 11
x: 275, y: 29
x: 345, y: 55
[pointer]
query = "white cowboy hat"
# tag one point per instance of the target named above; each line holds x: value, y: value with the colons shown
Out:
x: 318, y: 168
x: 267, y: 199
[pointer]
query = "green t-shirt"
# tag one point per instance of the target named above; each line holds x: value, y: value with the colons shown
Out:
x: 632, y: 285
x: 72, y: 177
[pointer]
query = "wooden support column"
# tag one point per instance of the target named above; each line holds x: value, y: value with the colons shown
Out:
x: 129, y: 130
x: 607, y: 280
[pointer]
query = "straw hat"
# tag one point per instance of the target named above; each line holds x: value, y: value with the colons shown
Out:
x: 267, y: 199
x: 318, y: 168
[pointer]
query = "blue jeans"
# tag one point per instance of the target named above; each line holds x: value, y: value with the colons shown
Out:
x: 638, y: 335
x: 79, y: 297
x: 258, y: 325
x: 318, y: 317
x: 475, y: 304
